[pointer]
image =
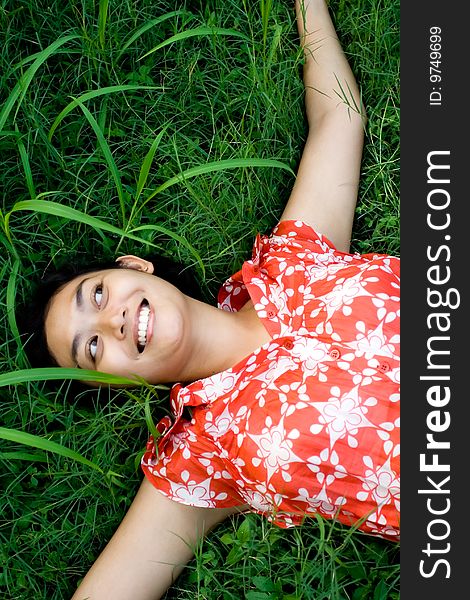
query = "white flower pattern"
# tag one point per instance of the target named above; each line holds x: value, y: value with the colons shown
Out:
x: 309, y: 423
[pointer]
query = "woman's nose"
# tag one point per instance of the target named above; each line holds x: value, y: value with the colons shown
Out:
x: 115, y: 321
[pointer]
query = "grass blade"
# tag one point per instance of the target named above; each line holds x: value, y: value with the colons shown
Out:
x: 38, y: 457
x: 175, y: 236
x: 59, y: 373
x: 95, y: 94
x: 35, y: 441
x: 146, y: 165
x: 32, y: 57
x: 66, y: 212
x: 59, y: 210
x: 220, y: 165
x: 102, y: 18
x: 143, y: 176
x: 26, y: 165
x: 148, y: 26
x: 196, y: 32
x: 347, y: 98
x: 11, y: 299
x: 107, y: 155
x: 20, y: 89
x: 265, y: 7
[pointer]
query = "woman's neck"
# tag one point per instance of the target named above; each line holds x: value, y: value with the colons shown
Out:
x: 221, y: 339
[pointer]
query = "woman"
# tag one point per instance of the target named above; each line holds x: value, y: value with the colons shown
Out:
x: 292, y: 390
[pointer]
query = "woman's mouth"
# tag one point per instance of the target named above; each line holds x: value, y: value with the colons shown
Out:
x: 143, y: 319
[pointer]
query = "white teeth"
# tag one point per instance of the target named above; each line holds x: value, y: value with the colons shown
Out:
x: 143, y: 325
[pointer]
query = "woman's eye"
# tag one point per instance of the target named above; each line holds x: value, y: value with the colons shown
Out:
x: 92, y: 347
x: 98, y: 295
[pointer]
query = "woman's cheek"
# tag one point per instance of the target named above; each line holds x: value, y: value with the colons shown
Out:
x: 115, y: 363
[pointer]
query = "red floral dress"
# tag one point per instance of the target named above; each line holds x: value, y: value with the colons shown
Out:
x: 308, y: 423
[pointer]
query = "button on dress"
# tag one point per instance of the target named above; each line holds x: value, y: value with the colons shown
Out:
x: 309, y: 422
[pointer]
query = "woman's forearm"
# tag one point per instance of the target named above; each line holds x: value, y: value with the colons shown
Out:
x: 330, y: 85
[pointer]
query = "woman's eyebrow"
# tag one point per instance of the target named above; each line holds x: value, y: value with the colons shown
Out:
x: 78, y: 297
x: 74, y: 351
x: 79, y: 294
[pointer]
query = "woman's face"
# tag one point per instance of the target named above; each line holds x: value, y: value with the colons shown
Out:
x: 120, y: 321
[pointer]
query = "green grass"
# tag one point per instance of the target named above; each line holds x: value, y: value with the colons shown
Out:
x: 133, y: 125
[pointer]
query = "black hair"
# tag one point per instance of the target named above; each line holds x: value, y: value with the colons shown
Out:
x: 31, y: 314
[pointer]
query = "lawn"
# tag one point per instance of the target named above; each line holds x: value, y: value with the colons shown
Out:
x: 134, y: 127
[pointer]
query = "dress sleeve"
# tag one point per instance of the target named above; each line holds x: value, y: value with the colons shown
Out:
x: 189, y: 469
x: 293, y: 236
x: 301, y: 234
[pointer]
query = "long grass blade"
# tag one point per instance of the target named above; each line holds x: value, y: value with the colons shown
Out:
x: 35, y: 441
x: 6, y: 267
x: 36, y: 457
x: 11, y: 299
x: 20, y: 89
x: 59, y: 373
x: 196, y: 32
x: 105, y: 149
x: 149, y: 420
x: 147, y: 164
x: 148, y: 26
x: 95, y: 94
x: 102, y: 18
x: 220, y: 165
x: 143, y: 176
x: 265, y: 7
x: 9, y: 132
x: 66, y: 212
x: 175, y: 236
x: 26, y: 166
x: 6, y: 239
x: 31, y: 57
x: 348, y: 97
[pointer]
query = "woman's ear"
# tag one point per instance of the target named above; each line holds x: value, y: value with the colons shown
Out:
x: 134, y: 262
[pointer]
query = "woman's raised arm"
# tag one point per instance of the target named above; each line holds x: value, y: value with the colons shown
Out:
x: 325, y: 192
x: 149, y: 549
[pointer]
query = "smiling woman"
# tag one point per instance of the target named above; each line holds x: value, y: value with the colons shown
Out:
x: 287, y: 404
x: 93, y: 322
x: 105, y: 298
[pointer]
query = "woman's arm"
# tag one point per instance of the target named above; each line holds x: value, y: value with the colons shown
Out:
x: 149, y: 549
x: 325, y: 192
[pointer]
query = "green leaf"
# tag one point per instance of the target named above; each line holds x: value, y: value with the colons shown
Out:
x: 107, y: 155
x: 102, y: 18
x: 26, y: 166
x: 21, y: 437
x: 243, y: 532
x: 381, y: 591
x: 220, y: 165
x: 150, y: 424
x: 36, y: 457
x: 196, y: 32
x: 11, y: 299
x: 264, y: 584
x: 20, y: 89
x: 235, y: 555
x: 251, y: 595
x: 146, y: 165
x: 321, y: 527
x: 148, y: 26
x: 59, y: 373
x: 227, y: 539
x: 95, y: 94
x: 54, y: 208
